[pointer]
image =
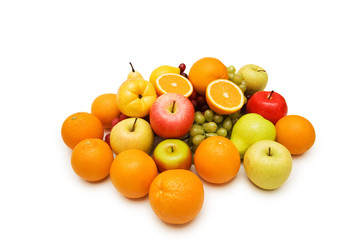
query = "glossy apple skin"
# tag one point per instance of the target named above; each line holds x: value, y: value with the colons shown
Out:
x: 272, y: 109
x: 172, y: 154
x: 168, y: 124
x: 123, y: 137
x: 268, y: 164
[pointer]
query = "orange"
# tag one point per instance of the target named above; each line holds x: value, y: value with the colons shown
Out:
x: 80, y: 126
x: 204, y: 71
x: 91, y: 159
x: 217, y: 160
x: 105, y: 107
x: 173, y: 83
x: 296, y: 133
x: 132, y: 172
x: 224, y: 97
x: 176, y: 196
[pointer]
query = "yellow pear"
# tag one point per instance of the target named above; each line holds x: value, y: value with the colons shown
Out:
x: 134, y: 75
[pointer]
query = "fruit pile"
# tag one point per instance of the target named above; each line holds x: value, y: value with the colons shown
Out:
x: 212, y: 117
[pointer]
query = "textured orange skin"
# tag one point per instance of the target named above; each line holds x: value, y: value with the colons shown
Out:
x: 176, y: 196
x: 91, y: 159
x: 80, y: 126
x: 217, y: 160
x: 204, y: 71
x: 105, y: 108
x: 132, y: 172
x: 296, y: 133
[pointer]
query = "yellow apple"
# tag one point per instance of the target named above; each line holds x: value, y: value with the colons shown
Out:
x: 135, y: 97
x: 132, y: 133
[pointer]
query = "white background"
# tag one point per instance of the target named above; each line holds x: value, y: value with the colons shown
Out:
x: 57, y: 56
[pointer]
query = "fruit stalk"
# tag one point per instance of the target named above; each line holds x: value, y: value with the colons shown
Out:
x: 132, y: 67
x: 135, y: 121
x: 173, y: 106
x: 269, y: 97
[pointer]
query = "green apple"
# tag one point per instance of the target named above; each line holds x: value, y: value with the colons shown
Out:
x: 256, y: 78
x: 172, y: 154
x: 251, y: 128
x: 268, y: 164
x: 131, y: 133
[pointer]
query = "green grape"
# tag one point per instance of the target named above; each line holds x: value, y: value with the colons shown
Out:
x: 222, y: 132
x: 236, y: 115
x: 210, y: 127
x: 245, y: 101
x: 196, y: 130
x: 242, y: 86
x: 237, y: 78
x: 231, y: 69
x: 218, y: 118
x: 227, y: 124
x: 199, y: 117
x: 230, y: 76
x: 208, y: 114
x: 211, y: 135
x: 198, y: 139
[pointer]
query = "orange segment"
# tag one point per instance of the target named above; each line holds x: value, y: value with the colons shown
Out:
x: 173, y: 83
x: 224, y: 97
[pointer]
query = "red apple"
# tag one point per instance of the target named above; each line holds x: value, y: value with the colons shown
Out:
x: 270, y: 105
x: 171, y: 115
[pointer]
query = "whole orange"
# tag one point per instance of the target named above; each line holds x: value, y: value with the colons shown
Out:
x: 296, y: 133
x: 80, y: 126
x: 105, y: 107
x: 176, y: 196
x: 132, y: 172
x: 91, y: 159
x: 217, y: 160
x: 204, y: 71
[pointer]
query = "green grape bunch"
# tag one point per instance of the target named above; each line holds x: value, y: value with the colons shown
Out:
x: 210, y: 124
x: 237, y: 78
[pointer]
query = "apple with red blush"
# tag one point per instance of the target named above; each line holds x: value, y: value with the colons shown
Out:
x: 269, y: 104
x: 171, y: 115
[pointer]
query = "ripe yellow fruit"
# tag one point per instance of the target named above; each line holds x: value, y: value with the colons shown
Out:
x: 162, y: 70
x: 135, y: 97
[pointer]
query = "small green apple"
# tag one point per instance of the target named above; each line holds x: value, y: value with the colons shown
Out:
x: 131, y: 133
x: 172, y: 154
x: 268, y: 164
x: 249, y: 129
x: 256, y: 78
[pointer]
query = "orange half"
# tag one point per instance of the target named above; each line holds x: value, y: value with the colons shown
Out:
x: 173, y: 83
x: 224, y: 97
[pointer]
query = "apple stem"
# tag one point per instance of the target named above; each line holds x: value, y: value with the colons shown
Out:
x: 261, y: 70
x: 135, y: 121
x: 173, y: 106
x: 269, y: 151
x: 172, y: 148
x: 269, y: 97
x: 132, y: 67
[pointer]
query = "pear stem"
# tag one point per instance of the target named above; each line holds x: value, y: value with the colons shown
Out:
x: 173, y: 106
x: 269, y: 97
x: 132, y: 67
x: 269, y: 151
x: 135, y: 121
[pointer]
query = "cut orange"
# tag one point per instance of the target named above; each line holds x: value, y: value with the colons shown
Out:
x: 224, y: 97
x: 173, y: 83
